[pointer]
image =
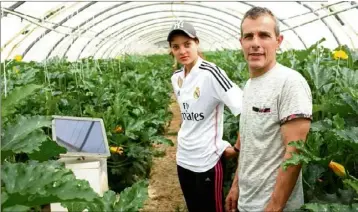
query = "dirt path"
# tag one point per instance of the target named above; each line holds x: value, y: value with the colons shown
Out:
x: 164, y: 190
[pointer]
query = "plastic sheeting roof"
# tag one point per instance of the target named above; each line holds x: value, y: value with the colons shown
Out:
x: 41, y: 30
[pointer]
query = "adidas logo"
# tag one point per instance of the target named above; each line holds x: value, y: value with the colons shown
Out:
x: 207, y: 179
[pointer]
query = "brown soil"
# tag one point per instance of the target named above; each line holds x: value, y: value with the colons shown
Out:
x: 164, y: 190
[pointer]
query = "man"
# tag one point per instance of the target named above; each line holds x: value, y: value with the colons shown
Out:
x: 277, y: 109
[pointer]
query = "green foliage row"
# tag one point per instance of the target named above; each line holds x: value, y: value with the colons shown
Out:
x: 121, y: 92
x: 40, y: 180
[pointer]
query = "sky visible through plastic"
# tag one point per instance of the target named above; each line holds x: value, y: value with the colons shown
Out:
x: 41, y: 30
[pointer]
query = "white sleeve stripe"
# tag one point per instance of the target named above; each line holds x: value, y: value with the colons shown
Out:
x: 212, y: 72
x: 221, y: 75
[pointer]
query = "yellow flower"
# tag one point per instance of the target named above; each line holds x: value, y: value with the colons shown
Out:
x: 118, y: 129
x: 340, y: 55
x: 18, y: 58
x: 337, y: 168
x: 116, y: 149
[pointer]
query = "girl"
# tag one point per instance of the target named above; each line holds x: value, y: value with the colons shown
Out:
x: 202, y: 89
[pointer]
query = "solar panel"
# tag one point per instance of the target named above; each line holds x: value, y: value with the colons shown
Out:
x: 81, y: 136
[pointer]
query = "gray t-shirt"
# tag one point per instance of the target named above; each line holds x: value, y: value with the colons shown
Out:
x: 269, y: 101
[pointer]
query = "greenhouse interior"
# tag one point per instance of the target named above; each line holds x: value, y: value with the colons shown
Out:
x: 92, y: 118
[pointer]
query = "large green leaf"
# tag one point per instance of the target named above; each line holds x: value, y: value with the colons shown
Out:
x: 132, y: 198
x: 4, y: 196
x: 17, y: 208
x: 353, y: 103
x: 349, y: 78
x: 312, y: 173
x: 132, y: 127
x: 302, y: 54
x: 108, y: 200
x: 26, y: 135
x: 105, y: 203
x: 350, y: 134
x: 346, y: 196
x: 338, y: 122
x: 315, y: 207
x: 304, y: 157
x: 352, y: 183
x: 318, y: 75
x: 29, y: 144
x: 35, y: 183
x: 296, y: 159
x: 162, y: 140
x: 330, y: 105
x: 14, y: 98
x: 321, y: 125
x: 47, y: 150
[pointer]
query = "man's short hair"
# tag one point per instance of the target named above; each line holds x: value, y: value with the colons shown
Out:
x: 256, y: 12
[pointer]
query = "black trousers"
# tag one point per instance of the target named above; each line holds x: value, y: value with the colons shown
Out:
x: 203, y: 191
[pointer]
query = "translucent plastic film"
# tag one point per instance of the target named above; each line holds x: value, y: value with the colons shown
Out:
x: 41, y: 30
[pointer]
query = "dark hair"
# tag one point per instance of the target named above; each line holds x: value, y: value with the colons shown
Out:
x: 256, y: 12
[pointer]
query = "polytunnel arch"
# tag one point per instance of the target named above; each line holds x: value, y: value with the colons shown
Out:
x: 324, y: 21
x: 204, y: 34
x: 88, y: 5
x: 60, y: 23
x: 159, y: 37
x: 187, y: 11
x: 285, y: 24
x: 333, y: 20
x: 126, y: 31
x: 151, y: 38
x: 163, y: 32
x: 82, y: 24
x: 146, y: 13
x: 166, y: 25
x: 117, y: 13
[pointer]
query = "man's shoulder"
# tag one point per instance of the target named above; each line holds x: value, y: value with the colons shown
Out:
x: 287, y: 73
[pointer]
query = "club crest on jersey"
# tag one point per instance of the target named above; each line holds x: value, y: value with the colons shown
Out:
x: 180, y: 82
x: 196, y: 93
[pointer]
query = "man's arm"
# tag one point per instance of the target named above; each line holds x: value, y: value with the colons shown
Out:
x: 237, y: 146
x: 235, y: 182
x: 294, y: 130
x: 233, y: 195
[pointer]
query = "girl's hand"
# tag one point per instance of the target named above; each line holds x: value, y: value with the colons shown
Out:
x: 230, y: 153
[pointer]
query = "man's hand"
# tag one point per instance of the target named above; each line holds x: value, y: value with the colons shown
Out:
x: 231, y: 199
